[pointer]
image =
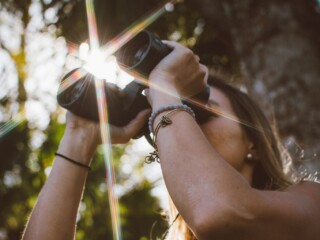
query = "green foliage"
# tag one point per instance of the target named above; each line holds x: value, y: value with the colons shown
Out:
x: 18, y: 185
x: 141, y: 214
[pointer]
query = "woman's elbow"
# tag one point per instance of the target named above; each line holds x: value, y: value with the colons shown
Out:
x: 220, y: 223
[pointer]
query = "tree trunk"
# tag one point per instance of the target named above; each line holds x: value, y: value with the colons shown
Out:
x: 278, y: 44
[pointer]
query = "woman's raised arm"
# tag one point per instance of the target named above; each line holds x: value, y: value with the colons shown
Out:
x: 54, y: 215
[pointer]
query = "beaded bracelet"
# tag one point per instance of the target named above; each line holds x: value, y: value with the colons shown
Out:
x: 165, y: 120
x: 168, y: 108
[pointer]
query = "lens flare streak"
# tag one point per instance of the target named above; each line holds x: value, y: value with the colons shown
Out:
x: 107, y: 151
x: 104, y: 127
x: 11, y: 124
x: 108, y: 50
x: 72, y: 79
x: 213, y: 109
x: 126, y: 35
x: 92, y: 25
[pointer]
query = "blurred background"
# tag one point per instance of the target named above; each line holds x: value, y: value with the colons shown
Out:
x: 269, y: 48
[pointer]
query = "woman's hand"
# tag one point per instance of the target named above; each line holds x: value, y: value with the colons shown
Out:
x: 82, y: 136
x: 124, y: 134
x: 179, y: 72
x: 118, y: 135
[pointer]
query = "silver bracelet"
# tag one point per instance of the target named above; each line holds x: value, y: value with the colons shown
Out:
x: 168, y: 108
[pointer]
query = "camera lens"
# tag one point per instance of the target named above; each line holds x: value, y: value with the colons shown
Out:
x: 134, y: 51
x: 72, y: 93
x: 140, y: 54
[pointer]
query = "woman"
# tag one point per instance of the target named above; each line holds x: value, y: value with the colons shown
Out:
x: 264, y: 173
x: 219, y: 175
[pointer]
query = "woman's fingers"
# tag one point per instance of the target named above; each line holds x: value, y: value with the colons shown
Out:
x: 137, y: 123
x: 124, y: 134
x: 118, y: 134
x: 206, y: 71
x: 172, y: 44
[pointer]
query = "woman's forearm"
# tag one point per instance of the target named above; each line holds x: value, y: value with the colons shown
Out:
x: 195, y: 174
x: 54, y: 216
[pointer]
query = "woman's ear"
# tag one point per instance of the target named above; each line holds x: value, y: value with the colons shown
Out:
x: 252, y: 153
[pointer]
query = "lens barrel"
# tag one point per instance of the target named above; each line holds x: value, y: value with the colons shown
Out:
x: 142, y: 53
x: 80, y: 98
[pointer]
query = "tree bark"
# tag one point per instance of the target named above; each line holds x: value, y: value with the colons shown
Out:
x: 278, y: 44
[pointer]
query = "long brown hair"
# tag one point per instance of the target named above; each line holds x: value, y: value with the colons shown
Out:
x: 274, y: 161
x: 268, y: 173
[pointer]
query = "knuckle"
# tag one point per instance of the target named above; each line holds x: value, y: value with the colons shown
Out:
x: 189, y: 53
x: 202, y: 74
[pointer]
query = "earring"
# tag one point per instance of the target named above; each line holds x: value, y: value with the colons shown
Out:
x: 249, y: 156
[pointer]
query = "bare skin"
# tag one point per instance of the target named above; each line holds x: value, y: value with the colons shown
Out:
x: 206, y: 175
x: 54, y: 215
x: 215, y: 199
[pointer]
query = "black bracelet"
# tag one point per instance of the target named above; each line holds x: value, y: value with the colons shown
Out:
x: 73, y: 161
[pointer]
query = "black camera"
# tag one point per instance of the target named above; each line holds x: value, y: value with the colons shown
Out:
x: 141, y: 54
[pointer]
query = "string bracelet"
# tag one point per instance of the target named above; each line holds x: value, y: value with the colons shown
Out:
x: 73, y: 161
x: 168, y: 108
x: 165, y: 120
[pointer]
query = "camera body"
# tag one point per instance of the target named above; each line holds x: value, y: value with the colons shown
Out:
x: 141, y: 54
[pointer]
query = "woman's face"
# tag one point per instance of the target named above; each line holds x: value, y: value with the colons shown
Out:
x: 226, y: 135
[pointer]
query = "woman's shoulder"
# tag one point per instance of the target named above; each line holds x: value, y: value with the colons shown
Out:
x: 310, y: 189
